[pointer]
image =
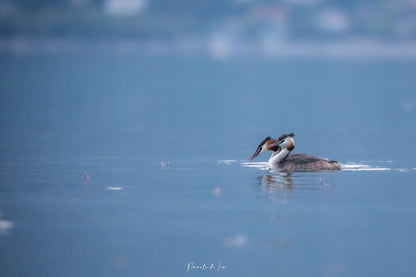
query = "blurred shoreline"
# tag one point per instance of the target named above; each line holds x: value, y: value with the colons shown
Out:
x: 218, y: 48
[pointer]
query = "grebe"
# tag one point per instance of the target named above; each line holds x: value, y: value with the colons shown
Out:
x: 281, y: 159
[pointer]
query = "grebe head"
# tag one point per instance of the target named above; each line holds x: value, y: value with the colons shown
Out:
x: 264, y: 146
x: 285, y: 141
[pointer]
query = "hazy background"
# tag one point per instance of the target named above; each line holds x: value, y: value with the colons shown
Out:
x: 218, y: 28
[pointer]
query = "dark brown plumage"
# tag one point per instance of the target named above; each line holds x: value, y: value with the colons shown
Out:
x: 302, y: 161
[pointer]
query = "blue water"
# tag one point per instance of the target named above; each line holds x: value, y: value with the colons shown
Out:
x: 83, y: 191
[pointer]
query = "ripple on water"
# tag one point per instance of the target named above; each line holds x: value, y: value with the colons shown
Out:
x: 227, y: 162
x: 361, y: 166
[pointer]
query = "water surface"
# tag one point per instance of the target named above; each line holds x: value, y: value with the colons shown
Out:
x: 83, y: 191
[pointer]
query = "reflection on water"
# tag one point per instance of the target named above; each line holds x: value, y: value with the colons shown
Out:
x: 286, y: 181
x: 276, y: 181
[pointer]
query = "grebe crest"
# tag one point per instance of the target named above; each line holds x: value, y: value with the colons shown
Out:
x: 284, y: 141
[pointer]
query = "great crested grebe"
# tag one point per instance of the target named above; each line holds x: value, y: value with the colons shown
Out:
x: 281, y: 159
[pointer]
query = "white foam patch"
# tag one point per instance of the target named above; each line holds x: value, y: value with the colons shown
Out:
x: 363, y: 167
x: 238, y: 241
x: 217, y: 192
x: 5, y: 226
x: 114, y: 188
x: 227, y: 162
x: 261, y: 165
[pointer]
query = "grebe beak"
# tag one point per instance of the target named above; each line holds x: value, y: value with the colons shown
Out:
x: 263, y: 146
x: 255, y: 154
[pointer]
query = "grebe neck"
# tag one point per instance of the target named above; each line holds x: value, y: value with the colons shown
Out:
x: 278, y: 157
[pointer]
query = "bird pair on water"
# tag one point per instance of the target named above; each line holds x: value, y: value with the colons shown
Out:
x: 281, y: 159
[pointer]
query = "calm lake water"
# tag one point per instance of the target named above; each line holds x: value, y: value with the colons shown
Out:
x: 123, y: 165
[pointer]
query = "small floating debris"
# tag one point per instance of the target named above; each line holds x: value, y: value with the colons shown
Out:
x: 216, y: 192
x: 85, y: 176
x: 114, y: 188
x: 164, y: 165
